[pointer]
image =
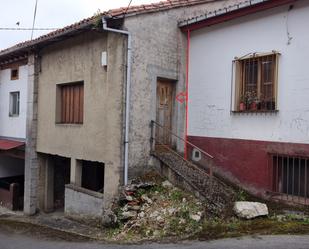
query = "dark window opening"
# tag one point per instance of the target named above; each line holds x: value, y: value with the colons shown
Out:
x: 62, y: 171
x: 14, y: 74
x: 93, y: 176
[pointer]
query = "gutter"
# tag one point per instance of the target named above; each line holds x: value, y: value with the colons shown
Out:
x: 128, y: 85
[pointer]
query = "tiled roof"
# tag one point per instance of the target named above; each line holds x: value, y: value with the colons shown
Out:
x: 154, y: 7
x: 88, y: 22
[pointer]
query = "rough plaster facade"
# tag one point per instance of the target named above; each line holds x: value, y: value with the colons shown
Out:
x: 159, y: 50
x: 100, y: 136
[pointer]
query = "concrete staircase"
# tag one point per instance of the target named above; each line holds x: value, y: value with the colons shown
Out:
x: 184, y: 173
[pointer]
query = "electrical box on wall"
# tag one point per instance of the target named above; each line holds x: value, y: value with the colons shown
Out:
x: 104, y: 59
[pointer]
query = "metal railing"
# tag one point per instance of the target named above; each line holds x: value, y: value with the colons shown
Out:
x: 289, y: 178
x: 198, y: 157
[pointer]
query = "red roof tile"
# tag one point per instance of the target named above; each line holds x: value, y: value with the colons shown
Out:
x: 133, y: 10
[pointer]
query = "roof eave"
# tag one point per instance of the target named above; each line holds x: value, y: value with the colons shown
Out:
x: 230, y: 15
x: 20, y: 51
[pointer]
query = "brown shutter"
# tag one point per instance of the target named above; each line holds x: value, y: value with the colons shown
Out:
x: 72, y: 103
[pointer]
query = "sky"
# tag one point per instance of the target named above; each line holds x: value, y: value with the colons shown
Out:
x: 50, y: 14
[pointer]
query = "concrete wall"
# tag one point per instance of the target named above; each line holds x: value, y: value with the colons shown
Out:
x: 14, y: 127
x: 210, y: 76
x: 159, y: 50
x: 99, y: 138
x: 82, y: 203
x: 10, y: 166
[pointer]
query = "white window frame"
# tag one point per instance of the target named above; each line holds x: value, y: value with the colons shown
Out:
x: 14, y: 107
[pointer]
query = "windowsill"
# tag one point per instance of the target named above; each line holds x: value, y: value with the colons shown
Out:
x: 76, y: 188
x: 256, y: 112
x: 71, y: 124
x: 14, y: 115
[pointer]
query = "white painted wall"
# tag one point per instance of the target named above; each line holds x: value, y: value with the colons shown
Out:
x: 10, y: 166
x: 211, y: 54
x: 13, y: 126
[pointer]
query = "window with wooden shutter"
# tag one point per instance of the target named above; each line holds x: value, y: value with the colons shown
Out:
x: 72, y: 103
x: 256, y: 83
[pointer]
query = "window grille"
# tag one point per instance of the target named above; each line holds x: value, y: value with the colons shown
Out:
x: 290, y: 177
x: 256, y: 83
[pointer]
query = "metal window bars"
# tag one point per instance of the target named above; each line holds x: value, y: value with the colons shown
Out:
x: 289, y: 178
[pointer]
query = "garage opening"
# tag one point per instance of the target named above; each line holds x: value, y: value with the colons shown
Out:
x: 61, y: 178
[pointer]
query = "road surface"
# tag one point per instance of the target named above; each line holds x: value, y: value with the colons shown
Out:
x: 21, y: 241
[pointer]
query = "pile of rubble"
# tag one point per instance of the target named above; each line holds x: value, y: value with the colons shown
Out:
x: 152, y: 210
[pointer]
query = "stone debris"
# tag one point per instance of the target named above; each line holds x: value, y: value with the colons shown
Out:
x: 196, y: 217
x: 250, y: 210
x: 145, y: 198
x: 167, y: 184
x: 153, y: 210
x: 128, y: 215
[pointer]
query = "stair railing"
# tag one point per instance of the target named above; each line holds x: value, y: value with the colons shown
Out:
x: 205, y: 158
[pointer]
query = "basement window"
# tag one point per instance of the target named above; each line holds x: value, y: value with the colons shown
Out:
x: 290, y: 175
x: 256, y: 83
x: 14, y: 74
x: 93, y: 176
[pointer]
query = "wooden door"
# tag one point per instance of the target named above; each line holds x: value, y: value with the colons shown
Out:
x: 164, y: 112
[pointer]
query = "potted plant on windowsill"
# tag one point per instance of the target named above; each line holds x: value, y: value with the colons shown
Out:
x: 242, y: 103
x: 271, y: 105
x: 251, y: 100
x: 255, y: 105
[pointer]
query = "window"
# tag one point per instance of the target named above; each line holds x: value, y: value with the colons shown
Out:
x: 256, y: 83
x: 290, y: 176
x: 14, y: 74
x: 93, y: 176
x: 14, y: 104
x: 71, y: 103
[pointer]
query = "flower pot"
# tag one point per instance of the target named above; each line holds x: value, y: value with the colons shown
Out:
x: 242, y: 106
x: 271, y: 105
x: 253, y: 106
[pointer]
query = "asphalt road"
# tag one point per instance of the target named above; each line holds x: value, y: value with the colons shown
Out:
x: 19, y: 241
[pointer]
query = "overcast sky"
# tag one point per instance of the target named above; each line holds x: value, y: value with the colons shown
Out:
x: 50, y: 14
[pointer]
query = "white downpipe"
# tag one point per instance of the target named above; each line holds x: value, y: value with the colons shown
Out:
x: 128, y: 84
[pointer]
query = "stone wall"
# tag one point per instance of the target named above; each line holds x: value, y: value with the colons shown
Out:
x: 159, y: 51
x: 31, y: 158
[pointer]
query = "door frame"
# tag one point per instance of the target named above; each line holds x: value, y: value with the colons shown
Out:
x: 173, y: 85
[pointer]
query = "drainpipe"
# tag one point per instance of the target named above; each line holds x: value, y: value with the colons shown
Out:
x: 128, y: 84
x: 187, y: 93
